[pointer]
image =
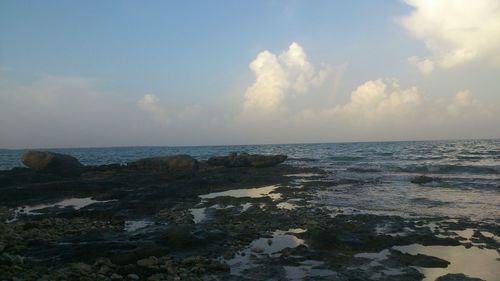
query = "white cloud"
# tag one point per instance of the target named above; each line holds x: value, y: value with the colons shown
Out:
x: 424, y: 66
x: 460, y: 101
x: 281, y: 77
x: 377, y: 109
x: 454, y: 31
x: 151, y: 104
x: 379, y: 101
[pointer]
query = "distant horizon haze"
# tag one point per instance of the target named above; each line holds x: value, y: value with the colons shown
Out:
x: 253, y: 144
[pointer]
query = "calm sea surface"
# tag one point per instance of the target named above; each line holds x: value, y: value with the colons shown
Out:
x: 366, y: 177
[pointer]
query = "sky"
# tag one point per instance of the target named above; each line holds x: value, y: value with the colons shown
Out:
x: 126, y: 73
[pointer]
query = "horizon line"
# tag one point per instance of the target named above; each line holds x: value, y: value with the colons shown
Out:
x: 249, y: 144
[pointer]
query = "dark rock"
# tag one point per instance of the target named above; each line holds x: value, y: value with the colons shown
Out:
x: 219, y: 161
x: 247, y: 160
x: 182, y: 237
x: 133, y: 276
x: 422, y: 179
x: 115, y: 276
x: 420, y: 260
x: 457, y: 277
x: 175, y: 163
x: 52, y: 163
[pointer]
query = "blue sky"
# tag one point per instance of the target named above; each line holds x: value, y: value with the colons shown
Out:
x: 196, y: 54
x: 161, y: 46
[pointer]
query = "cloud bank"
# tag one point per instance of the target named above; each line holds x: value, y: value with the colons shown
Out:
x: 62, y: 111
x: 454, y: 31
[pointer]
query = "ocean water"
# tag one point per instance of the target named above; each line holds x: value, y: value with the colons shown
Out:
x: 369, y: 177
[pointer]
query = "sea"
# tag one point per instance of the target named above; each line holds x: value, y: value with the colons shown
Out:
x: 364, y: 177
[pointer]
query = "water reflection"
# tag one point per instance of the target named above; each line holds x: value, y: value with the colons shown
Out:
x: 266, y: 191
x: 279, y: 241
x: 75, y: 203
x: 131, y: 226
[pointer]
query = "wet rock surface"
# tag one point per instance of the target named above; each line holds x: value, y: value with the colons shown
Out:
x: 247, y: 160
x: 176, y: 163
x: 217, y: 222
x: 422, y: 179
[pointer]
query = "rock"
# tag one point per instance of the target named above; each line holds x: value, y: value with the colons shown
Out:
x: 104, y: 269
x: 175, y: 163
x: 422, y: 179
x: 115, y: 276
x: 148, y: 262
x: 133, y: 276
x: 52, y: 163
x: 181, y: 237
x: 247, y: 160
x: 158, y: 277
x: 170, y: 267
x: 457, y: 277
x: 81, y: 268
x: 6, y: 259
x: 421, y: 260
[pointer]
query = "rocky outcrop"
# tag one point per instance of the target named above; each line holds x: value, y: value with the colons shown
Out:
x: 247, y: 160
x: 52, y: 163
x: 175, y: 163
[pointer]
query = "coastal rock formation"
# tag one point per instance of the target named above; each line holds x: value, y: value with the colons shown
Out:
x: 175, y: 163
x: 52, y: 163
x: 247, y: 160
x: 140, y: 226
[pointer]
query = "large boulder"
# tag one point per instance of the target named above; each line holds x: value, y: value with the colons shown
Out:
x: 175, y: 163
x: 247, y: 160
x: 52, y: 163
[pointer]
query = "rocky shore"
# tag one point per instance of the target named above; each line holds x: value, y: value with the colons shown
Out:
x: 235, y: 217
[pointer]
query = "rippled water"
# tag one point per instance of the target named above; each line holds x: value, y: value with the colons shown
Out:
x: 373, y: 177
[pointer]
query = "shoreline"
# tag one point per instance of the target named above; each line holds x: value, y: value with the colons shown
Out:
x: 220, y: 223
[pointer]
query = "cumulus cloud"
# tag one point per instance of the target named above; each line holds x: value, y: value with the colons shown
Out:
x: 151, y: 104
x: 460, y: 101
x: 376, y: 109
x: 58, y: 111
x: 424, y: 66
x: 454, y: 31
x: 278, y: 77
x: 377, y: 100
